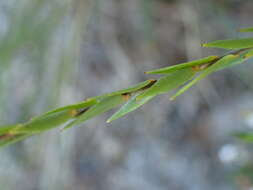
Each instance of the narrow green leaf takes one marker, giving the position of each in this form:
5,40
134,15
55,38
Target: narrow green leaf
81,105
131,89
246,30
9,135
47,122
238,59
6,128
4,141
61,115
231,44
104,105
130,106
167,70
223,62
169,82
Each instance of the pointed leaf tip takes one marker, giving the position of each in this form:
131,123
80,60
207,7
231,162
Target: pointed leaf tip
226,61
231,43
104,105
189,64
168,82
129,106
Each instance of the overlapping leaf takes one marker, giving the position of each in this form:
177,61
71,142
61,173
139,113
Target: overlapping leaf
137,95
9,135
130,106
169,82
7,140
81,105
131,89
94,100
47,122
170,69
223,62
6,128
104,105
238,59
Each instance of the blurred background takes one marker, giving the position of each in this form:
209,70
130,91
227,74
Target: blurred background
57,52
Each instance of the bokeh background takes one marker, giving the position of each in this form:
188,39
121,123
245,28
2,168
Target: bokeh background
57,52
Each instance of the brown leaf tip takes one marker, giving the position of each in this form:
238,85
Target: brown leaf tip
126,96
